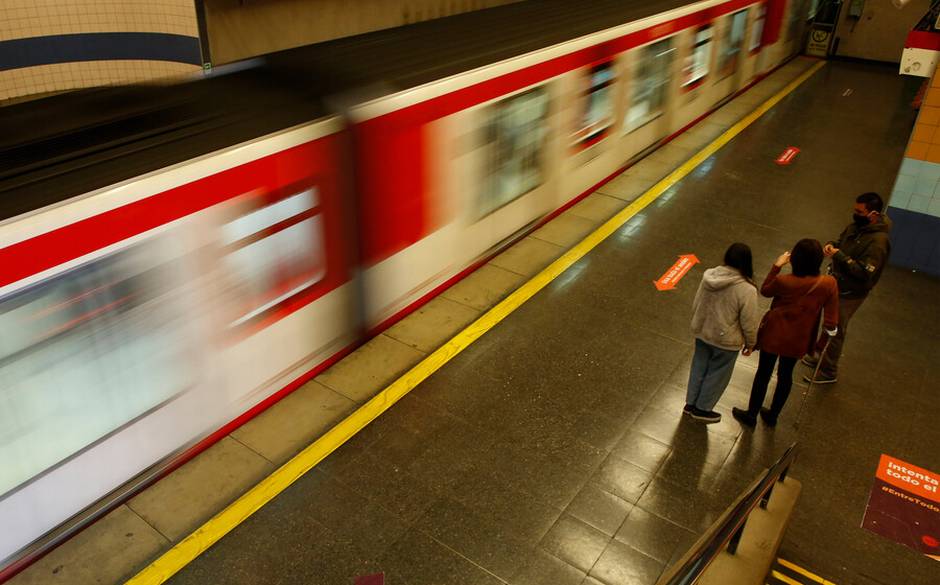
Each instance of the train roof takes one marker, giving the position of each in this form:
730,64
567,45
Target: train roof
66,145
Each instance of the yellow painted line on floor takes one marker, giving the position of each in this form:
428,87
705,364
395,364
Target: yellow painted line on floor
798,569
218,526
783,578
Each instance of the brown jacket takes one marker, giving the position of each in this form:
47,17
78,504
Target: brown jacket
791,331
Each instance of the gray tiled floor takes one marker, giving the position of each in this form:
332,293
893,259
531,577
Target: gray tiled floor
552,451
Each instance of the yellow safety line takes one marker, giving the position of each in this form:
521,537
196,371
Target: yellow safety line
218,526
804,572
781,577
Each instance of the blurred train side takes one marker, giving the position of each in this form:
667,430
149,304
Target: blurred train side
146,317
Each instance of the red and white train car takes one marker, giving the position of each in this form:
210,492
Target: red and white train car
452,169
143,320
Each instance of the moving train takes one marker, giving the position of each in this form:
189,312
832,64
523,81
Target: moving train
174,259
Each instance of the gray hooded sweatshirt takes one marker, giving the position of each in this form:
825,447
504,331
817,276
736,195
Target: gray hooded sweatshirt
725,312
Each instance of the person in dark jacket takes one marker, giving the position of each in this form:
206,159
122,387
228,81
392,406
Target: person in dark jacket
858,258
788,329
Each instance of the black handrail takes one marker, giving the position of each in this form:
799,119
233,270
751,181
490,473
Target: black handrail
727,530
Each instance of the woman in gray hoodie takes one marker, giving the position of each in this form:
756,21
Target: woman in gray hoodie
725,319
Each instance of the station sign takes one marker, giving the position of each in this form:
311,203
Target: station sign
819,41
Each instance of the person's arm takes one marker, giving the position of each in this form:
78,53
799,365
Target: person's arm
749,317
865,266
698,296
771,286
832,245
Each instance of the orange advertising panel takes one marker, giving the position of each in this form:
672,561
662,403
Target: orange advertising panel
904,506
916,480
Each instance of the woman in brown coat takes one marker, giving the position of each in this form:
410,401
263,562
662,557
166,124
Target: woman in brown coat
788,330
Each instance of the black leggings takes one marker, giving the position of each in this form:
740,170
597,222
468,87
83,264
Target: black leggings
765,368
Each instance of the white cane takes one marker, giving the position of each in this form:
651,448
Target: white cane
822,355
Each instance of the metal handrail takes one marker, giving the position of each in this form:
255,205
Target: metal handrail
727,530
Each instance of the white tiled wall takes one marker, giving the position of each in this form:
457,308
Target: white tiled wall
917,187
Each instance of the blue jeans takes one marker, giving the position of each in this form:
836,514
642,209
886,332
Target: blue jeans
711,371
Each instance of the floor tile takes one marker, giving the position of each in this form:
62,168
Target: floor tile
575,542
628,187
599,508
488,285
481,540
622,565
434,324
294,422
597,207
369,369
109,551
622,478
566,230
542,568
691,510
651,535
421,560
229,466
528,256
643,451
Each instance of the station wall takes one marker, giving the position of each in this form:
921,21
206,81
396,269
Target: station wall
879,32
914,205
47,46
240,29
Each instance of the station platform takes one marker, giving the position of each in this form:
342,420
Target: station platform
552,450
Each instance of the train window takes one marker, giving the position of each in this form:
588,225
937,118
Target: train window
757,33
84,354
732,42
597,111
651,85
515,133
274,253
696,66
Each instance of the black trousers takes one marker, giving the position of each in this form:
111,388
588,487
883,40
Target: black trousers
765,369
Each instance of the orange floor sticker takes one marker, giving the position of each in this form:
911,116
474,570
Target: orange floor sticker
671,278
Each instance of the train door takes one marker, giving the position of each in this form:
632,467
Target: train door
728,69
647,115
591,118
697,68
755,39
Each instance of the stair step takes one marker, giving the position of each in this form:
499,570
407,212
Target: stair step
785,572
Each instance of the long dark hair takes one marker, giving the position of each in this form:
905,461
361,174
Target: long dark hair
738,256
806,257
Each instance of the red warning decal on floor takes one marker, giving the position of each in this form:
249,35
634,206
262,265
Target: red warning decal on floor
378,579
671,278
787,156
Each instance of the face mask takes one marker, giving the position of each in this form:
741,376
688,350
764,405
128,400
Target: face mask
860,220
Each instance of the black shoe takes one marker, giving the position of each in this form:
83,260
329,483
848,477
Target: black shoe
744,417
706,416
769,418
820,379
687,409
809,360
